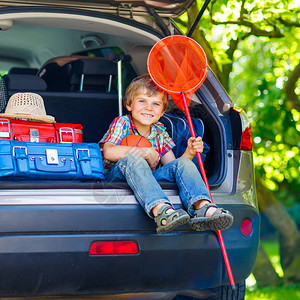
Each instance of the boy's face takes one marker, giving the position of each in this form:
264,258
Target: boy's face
146,110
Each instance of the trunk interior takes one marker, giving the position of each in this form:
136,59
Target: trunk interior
51,72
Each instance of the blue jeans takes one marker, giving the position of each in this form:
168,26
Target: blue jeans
136,172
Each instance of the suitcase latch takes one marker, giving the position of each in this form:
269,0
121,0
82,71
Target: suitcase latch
34,135
52,156
5,122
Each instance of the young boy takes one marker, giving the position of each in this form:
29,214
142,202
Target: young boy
146,103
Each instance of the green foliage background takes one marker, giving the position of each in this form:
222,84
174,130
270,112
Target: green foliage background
268,42
258,79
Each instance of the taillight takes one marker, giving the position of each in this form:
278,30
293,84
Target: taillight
246,227
246,139
114,248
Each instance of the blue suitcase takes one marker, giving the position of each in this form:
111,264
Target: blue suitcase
74,161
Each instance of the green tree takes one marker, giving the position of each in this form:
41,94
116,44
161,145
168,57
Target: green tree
252,47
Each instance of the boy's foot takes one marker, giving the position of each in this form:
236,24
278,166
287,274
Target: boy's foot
168,219
221,219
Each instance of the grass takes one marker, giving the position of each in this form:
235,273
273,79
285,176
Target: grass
280,293
275,293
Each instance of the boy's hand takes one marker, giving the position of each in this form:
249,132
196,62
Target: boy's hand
194,145
148,153
115,152
151,156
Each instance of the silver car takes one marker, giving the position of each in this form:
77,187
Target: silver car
78,238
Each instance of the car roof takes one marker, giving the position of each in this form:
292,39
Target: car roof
165,8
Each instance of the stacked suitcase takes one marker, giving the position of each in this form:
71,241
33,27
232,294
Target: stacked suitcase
41,150
73,161
27,131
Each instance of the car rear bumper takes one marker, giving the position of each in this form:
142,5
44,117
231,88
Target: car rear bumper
58,263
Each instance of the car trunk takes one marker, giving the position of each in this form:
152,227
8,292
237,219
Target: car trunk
95,110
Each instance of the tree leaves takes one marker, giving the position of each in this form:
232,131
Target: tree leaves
255,44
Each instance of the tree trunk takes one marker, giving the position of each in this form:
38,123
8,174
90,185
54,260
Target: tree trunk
199,36
263,270
227,68
289,236
292,274
292,97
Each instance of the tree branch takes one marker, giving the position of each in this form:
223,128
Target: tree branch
243,10
254,30
288,23
292,97
199,36
227,68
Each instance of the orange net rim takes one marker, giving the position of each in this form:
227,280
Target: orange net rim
204,65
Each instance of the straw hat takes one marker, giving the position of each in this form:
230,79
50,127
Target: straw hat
28,106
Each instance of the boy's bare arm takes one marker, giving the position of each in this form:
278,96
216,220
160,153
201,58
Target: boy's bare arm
168,157
115,152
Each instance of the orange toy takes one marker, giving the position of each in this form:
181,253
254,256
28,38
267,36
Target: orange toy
135,141
178,64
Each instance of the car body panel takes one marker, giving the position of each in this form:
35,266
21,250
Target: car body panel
60,256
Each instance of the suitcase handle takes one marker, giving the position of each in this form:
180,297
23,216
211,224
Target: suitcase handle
54,169
63,130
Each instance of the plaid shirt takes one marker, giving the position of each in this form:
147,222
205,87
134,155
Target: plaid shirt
123,126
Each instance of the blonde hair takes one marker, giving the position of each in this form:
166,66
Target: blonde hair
144,85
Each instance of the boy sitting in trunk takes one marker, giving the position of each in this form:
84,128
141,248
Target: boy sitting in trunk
146,103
